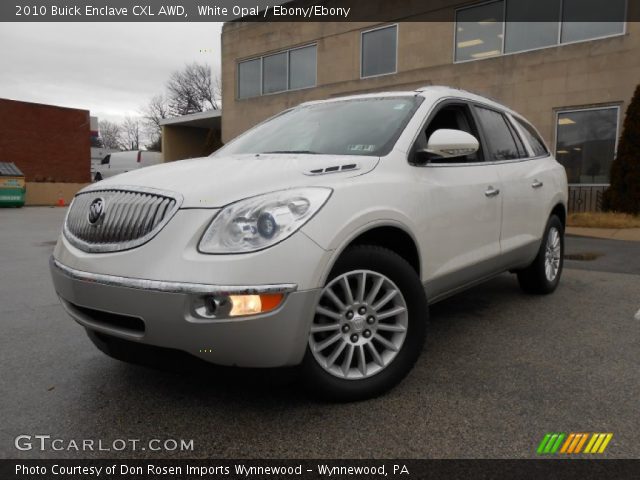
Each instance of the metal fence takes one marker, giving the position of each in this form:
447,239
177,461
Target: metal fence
586,198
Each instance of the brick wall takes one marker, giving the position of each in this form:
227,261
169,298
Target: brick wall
48,143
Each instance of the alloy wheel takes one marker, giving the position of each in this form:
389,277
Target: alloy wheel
553,251
359,326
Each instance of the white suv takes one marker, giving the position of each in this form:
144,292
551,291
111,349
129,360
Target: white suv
317,238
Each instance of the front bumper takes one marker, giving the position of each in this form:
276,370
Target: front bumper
162,314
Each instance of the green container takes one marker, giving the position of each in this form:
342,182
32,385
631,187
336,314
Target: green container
12,197
12,186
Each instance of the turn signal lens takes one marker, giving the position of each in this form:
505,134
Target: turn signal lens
254,304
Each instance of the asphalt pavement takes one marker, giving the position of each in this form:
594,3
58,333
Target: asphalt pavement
617,256
499,370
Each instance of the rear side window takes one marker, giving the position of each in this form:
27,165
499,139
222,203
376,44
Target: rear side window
105,160
533,138
503,143
522,151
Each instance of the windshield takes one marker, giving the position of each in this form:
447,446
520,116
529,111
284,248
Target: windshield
364,126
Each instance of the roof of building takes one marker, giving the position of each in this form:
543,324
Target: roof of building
43,105
9,169
208,119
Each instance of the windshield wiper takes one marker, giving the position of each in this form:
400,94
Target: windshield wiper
309,152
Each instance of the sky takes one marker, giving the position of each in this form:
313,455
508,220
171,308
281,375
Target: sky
110,69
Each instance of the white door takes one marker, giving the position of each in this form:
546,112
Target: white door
528,190
460,229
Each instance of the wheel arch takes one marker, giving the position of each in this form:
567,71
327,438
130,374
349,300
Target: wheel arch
561,212
388,234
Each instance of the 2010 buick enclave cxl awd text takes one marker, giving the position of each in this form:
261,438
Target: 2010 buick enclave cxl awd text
317,238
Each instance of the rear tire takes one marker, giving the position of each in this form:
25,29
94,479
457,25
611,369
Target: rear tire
363,344
543,275
98,177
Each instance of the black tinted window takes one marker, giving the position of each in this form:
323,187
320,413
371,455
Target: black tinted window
502,145
532,137
522,151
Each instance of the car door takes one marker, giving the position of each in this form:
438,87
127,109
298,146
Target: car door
524,174
460,229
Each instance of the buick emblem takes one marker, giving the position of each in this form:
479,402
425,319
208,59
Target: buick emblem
96,210
358,323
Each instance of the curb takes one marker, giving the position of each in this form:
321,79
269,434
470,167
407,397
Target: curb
625,234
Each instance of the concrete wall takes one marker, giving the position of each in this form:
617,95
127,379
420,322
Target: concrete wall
534,83
48,143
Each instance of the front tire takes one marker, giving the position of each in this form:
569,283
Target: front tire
543,275
98,177
369,326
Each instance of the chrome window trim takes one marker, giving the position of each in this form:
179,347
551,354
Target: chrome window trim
120,246
472,164
170,287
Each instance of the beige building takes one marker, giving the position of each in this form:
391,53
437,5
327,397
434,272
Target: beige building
572,80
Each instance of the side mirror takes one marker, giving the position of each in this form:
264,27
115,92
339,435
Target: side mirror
446,143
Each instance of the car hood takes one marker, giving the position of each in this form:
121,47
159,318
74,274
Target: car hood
212,182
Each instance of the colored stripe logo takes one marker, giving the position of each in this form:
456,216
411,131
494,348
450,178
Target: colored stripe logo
572,443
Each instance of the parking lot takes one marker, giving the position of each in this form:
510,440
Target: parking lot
499,370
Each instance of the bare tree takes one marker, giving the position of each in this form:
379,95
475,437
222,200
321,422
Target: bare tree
153,113
193,89
111,134
131,133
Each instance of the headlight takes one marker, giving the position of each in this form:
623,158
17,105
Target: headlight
259,222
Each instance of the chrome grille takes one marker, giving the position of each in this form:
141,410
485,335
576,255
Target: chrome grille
129,218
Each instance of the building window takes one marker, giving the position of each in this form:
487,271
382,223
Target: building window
274,73
249,78
598,18
504,26
586,143
522,35
479,31
289,70
379,51
302,67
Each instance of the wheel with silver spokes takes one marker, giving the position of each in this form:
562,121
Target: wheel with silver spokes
543,275
359,326
368,325
552,254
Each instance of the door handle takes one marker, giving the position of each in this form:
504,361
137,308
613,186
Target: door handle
537,184
492,192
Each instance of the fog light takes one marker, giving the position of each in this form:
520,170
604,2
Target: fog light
254,304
